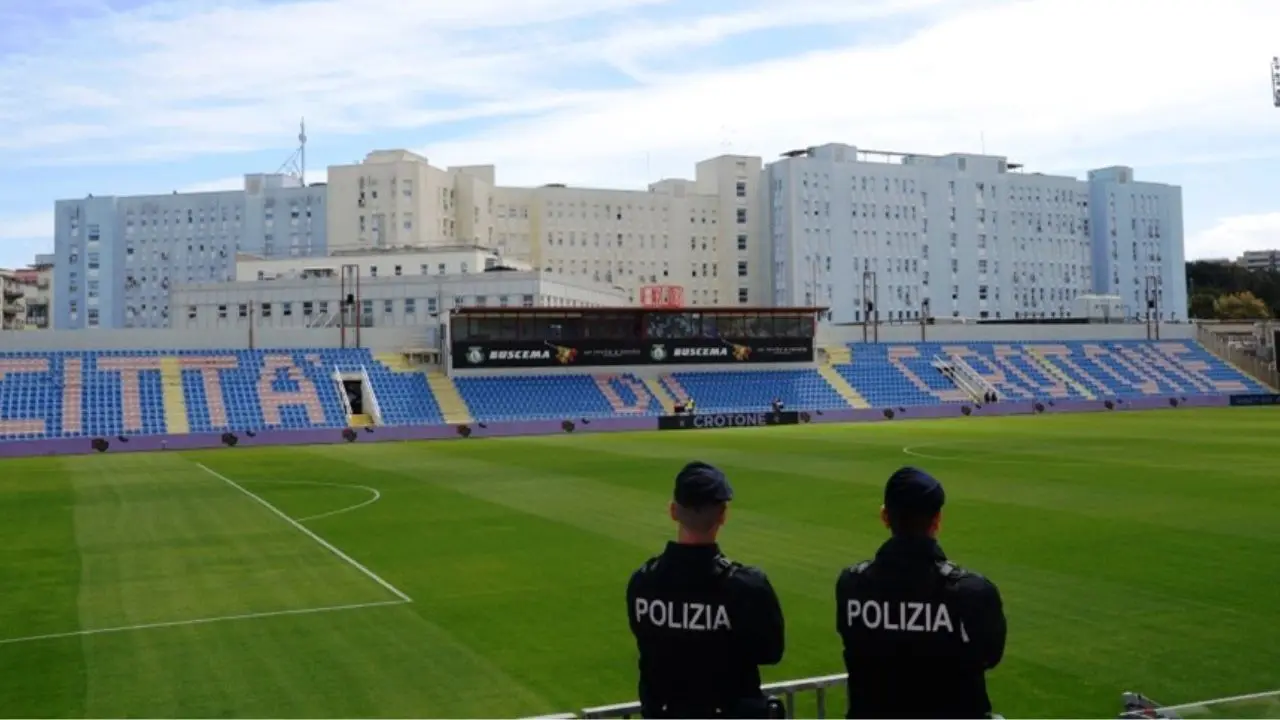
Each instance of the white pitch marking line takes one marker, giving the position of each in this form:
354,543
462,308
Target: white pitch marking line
303,529
200,621
372,491
1221,701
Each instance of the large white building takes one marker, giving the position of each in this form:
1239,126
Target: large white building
406,262
315,301
911,236
695,236
116,257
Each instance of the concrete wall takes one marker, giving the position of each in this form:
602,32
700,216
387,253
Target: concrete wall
378,339
395,338
836,335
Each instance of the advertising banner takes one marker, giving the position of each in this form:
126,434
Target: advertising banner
589,353
726,351
1241,400
727,420
533,354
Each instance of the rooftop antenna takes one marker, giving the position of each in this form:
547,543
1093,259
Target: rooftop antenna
1275,81
296,164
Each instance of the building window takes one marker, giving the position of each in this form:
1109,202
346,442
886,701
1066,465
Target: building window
410,306
243,310
397,271
742,242
482,300
504,301
741,190
222,312
287,309
93,317
307,308
742,296
742,216
324,307
192,312
388,307
526,301
431,306
742,268
266,310
373,271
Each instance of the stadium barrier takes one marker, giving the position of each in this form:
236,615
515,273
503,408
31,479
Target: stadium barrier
787,690
478,430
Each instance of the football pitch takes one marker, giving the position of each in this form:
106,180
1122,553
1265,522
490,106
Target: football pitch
1134,551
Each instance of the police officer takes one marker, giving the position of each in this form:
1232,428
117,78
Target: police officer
703,623
919,632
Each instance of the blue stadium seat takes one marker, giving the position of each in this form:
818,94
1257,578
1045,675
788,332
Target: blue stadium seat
554,397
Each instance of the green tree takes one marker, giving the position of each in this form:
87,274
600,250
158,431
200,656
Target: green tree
1202,306
1241,306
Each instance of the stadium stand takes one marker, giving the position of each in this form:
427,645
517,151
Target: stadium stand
109,393
756,389
551,397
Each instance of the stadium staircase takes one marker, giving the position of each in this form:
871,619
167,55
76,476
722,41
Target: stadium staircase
175,401
451,403
612,387
660,393
838,356
1056,372
674,388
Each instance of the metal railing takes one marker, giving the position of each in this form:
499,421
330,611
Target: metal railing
1260,369
960,379
787,690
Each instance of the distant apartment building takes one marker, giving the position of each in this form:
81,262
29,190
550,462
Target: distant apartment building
115,258
13,312
28,295
688,240
1261,259
902,237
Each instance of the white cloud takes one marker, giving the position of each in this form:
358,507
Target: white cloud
1231,236
1053,83
1045,81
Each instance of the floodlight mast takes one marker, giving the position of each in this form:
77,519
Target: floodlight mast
1275,81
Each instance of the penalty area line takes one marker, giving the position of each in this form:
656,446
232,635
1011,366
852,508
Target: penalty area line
304,530
200,621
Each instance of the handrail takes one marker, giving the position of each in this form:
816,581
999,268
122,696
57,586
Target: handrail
374,407
787,689
342,390
959,379
972,375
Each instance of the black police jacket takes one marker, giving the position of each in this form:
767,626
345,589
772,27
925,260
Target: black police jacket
703,625
919,634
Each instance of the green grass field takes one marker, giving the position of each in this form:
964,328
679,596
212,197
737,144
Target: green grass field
1135,551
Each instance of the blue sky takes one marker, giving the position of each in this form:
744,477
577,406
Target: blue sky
136,96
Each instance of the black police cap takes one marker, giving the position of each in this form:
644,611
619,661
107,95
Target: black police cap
912,490
700,484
